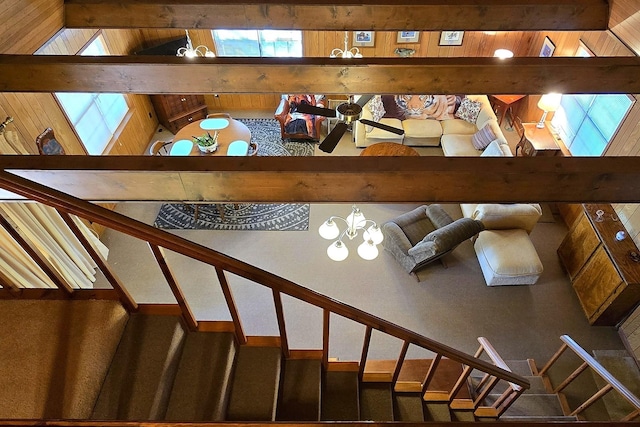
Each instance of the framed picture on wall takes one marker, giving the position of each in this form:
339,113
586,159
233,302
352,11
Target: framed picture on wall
451,38
547,47
363,38
408,36
583,50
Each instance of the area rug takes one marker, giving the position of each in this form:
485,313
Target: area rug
246,216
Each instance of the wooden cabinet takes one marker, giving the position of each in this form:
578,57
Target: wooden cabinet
176,111
603,273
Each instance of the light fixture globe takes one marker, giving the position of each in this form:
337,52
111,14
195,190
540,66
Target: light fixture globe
337,251
368,250
374,234
329,230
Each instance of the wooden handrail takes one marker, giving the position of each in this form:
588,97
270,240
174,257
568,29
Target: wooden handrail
589,361
66,203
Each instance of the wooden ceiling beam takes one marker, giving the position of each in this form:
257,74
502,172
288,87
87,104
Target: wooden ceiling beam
168,74
334,179
378,15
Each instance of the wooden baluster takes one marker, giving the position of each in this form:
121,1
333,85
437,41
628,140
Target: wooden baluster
485,390
571,377
398,368
551,361
604,390
284,344
35,254
365,351
461,382
187,314
510,397
325,337
430,373
631,416
231,305
125,297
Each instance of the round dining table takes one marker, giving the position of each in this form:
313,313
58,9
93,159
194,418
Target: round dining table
235,130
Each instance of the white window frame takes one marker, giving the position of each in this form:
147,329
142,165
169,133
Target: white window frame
259,43
95,117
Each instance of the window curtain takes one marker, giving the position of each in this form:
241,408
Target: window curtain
45,229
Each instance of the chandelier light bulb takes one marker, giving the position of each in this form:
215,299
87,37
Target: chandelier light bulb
368,250
338,251
374,234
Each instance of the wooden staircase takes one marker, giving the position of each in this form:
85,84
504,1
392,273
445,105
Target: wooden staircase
161,371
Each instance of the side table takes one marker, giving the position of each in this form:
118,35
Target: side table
503,104
537,142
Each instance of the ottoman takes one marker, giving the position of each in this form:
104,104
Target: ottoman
507,257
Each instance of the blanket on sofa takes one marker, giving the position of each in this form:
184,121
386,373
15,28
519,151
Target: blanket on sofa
437,107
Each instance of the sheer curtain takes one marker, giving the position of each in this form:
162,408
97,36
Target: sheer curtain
44,228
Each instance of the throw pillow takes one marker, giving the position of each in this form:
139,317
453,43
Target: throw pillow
468,110
482,138
495,149
392,110
377,110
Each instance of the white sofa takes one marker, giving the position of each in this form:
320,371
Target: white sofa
427,132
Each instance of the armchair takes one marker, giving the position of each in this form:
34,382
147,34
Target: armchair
426,234
294,125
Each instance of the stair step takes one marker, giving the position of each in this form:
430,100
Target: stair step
255,384
537,385
520,367
139,381
300,396
202,382
437,411
408,407
624,368
537,405
340,396
376,402
558,418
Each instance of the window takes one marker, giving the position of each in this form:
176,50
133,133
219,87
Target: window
265,43
586,123
95,116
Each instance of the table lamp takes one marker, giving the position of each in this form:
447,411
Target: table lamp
548,102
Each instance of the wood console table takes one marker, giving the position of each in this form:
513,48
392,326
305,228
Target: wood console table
538,142
602,270
504,104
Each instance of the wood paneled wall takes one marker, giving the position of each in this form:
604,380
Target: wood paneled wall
28,24
33,112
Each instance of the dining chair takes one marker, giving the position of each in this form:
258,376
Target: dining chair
517,125
159,148
214,115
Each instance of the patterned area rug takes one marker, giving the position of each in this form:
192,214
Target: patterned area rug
246,216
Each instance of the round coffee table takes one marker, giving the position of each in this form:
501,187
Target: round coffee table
236,130
388,149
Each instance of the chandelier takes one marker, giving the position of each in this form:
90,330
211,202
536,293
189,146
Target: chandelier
354,52
190,52
355,222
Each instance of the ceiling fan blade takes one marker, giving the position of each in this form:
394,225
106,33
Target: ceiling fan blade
330,142
364,99
383,127
318,111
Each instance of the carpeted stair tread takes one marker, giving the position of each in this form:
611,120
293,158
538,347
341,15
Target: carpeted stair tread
520,367
536,383
255,383
550,418
437,411
340,396
300,390
408,407
532,405
202,383
376,402
139,381
623,367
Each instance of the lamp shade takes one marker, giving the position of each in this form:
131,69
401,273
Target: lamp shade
374,234
338,251
549,101
329,229
368,250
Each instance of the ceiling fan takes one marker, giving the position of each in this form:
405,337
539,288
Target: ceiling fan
347,113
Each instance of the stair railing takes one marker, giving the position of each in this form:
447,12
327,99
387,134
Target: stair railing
611,383
159,239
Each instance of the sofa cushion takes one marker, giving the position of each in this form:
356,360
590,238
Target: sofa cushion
483,138
438,216
468,110
458,145
377,133
421,128
502,216
458,126
496,149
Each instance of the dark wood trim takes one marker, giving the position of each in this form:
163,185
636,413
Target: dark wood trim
215,326
83,423
155,74
365,351
240,336
318,179
377,15
277,301
53,294
159,309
